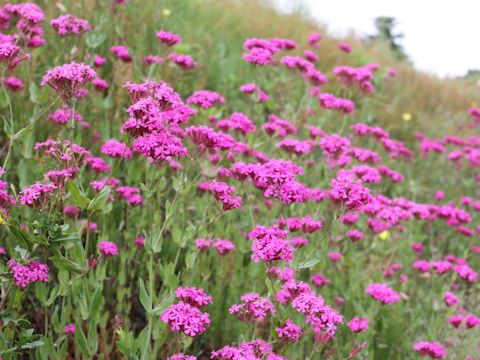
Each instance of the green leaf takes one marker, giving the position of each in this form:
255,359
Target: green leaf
20,235
32,344
190,259
164,305
41,292
95,39
66,237
144,297
308,263
81,341
96,304
4,99
7,127
100,200
62,263
79,198
34,92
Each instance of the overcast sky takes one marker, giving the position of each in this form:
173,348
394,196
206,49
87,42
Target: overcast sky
441,36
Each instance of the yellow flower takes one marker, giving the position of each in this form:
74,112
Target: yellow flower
407,117
384,235
1,218
167,12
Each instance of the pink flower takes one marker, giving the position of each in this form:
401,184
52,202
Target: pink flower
248,88
310,56
181,356
130,194
97,164
186,319
159,146
152,59
358,325
65,115
362,76
108,248
320,280
69,329
67,79
433,350
193,296
184,61
238,122
121,52
100,85
321,317
382,293
314,38
345,47
116,149
355,235
329,101
224,246
335,256
203,244
279,127
296,147
289,331
36,195
140,241
456,320
13,83
168,38
205,99
466,273
253,350
252,309
223,193
99,61
350,192
69,25
26,274
271,244
417,247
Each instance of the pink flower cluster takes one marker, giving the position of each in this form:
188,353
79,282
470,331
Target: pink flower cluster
252,309
26,274
205,99
36,195
348,191
358,325
121,52
108,248
432,349
193,296
331,102
186,317
271,244
362,76
237,122
67,79
223,193
68,24
255,349
168,38
321,317
382,293
184,61
289,331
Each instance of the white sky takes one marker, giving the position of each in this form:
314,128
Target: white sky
440,36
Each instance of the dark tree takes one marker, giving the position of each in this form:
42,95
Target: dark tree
386,34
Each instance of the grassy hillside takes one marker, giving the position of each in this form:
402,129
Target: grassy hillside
103,225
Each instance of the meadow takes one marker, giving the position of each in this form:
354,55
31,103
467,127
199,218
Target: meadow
212,179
